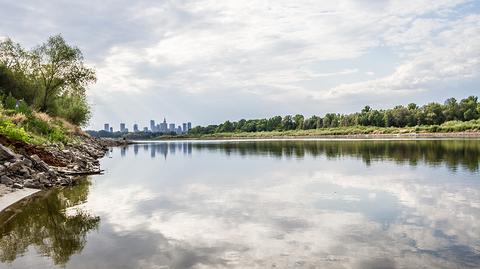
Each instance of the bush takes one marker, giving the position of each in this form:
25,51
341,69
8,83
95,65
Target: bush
12,131
24,108
10,102
44,128
73,108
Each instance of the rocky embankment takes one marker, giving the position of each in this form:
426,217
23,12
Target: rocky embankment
23,165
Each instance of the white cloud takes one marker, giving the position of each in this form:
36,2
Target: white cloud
443,57
239,45
277,52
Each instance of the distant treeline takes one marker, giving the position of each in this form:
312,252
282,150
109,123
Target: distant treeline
400,116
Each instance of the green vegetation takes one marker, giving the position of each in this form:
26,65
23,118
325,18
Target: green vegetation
12,131
29,126
50,78
42,91
452,116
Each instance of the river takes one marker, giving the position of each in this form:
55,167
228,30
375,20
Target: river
259,204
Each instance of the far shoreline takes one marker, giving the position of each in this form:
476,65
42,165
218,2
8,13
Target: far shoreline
393,136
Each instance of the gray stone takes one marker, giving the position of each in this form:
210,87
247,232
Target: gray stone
25,172
6,180
6,153
31,183
16,166
17,186
40,177
40,163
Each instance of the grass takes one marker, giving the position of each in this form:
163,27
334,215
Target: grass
447,127
35,128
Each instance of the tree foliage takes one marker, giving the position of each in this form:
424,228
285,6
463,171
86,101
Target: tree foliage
51,78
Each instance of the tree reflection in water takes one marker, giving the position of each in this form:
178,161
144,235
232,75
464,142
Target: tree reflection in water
44,222
452,153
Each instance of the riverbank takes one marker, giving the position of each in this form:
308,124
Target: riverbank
27,168
280,135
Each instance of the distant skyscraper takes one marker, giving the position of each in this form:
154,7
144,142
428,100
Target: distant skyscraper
122,127
171,127
184,127
189,126
111,129
152,126
164,126
145,129
106,127
135,128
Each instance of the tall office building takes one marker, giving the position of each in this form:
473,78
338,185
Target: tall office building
135,128
164,126
122,127
111,129
152,126
189,126
171,127
184,127
106,127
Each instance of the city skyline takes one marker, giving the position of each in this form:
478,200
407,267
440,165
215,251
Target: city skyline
162,127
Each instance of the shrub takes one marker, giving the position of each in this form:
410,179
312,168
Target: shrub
12,131
24,108
73,108
10,102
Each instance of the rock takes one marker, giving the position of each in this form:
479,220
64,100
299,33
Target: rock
16,166
41,177
39,163
25,172
32,185
6,180
27,162
52,173
6,153
17,186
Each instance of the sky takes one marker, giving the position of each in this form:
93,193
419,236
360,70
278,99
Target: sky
207,61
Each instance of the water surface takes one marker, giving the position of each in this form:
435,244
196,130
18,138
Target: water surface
254,204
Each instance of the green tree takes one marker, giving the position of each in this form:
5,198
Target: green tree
14,68
468,108
451,109
274,123
433,113
375,118
298,119
287,123
59,68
